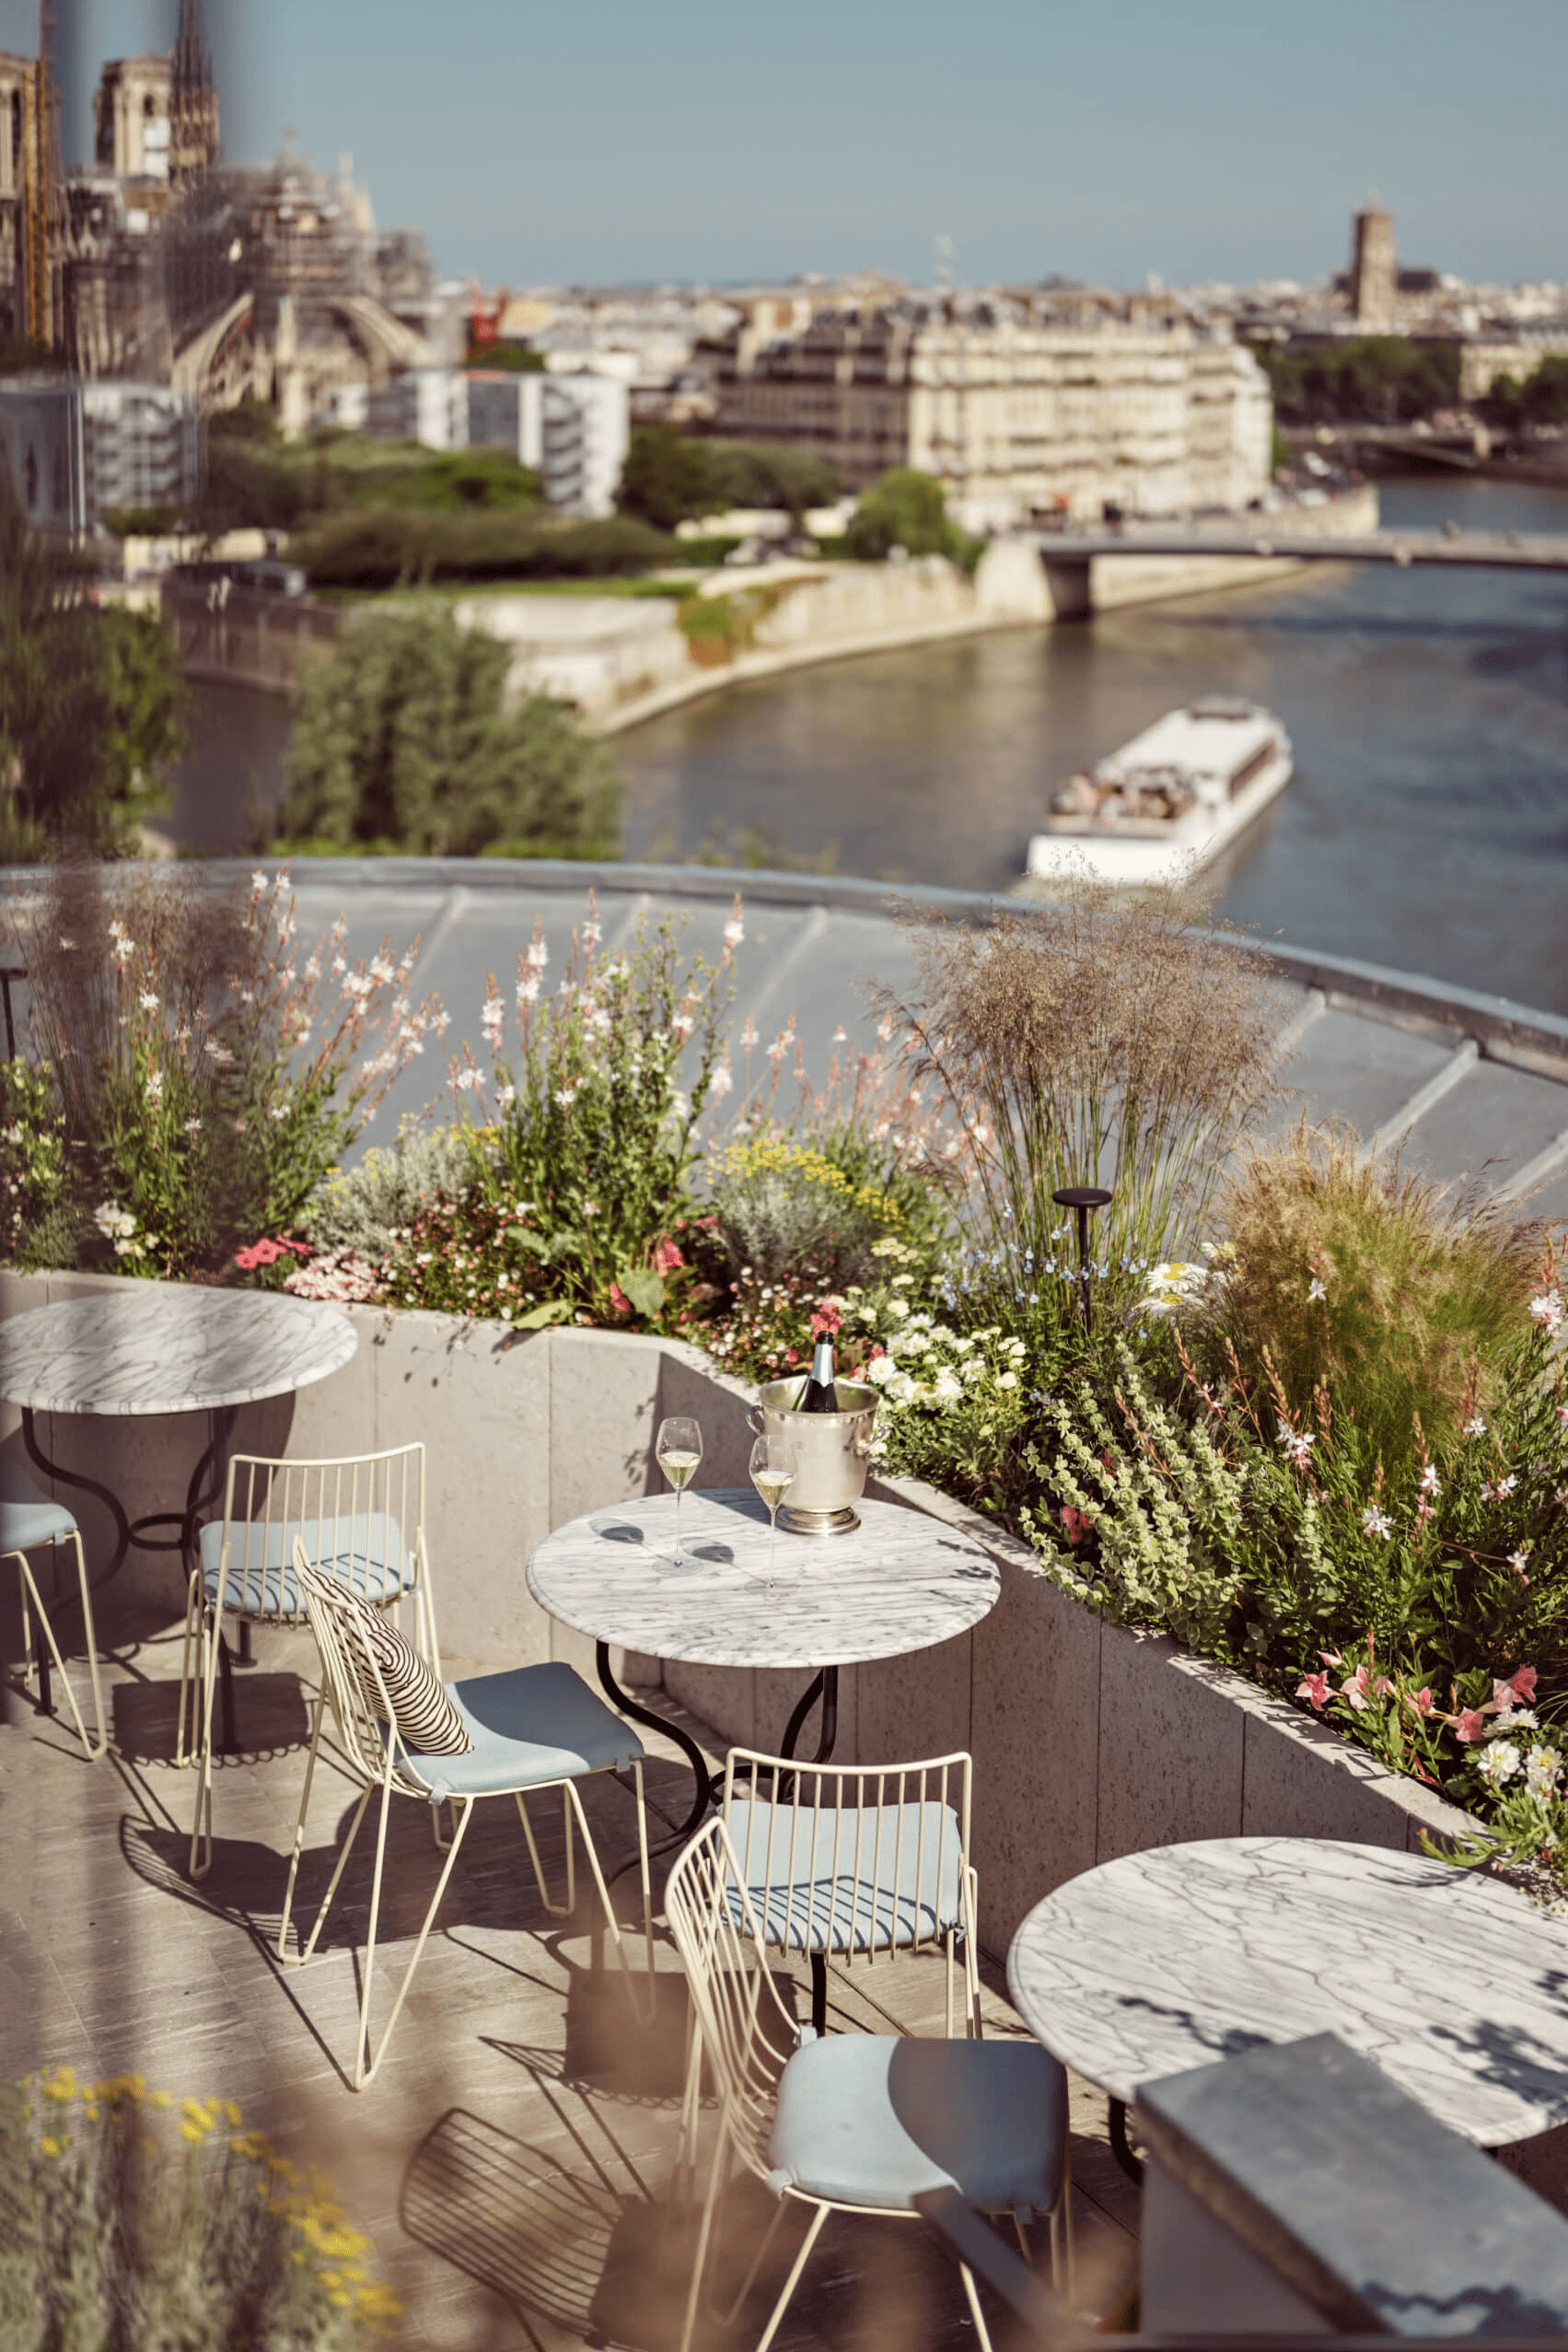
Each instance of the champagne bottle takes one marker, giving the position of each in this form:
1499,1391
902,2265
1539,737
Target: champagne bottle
821,1394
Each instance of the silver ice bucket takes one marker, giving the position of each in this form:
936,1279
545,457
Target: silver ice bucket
832,1452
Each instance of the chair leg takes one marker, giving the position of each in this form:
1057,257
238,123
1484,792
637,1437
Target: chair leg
299,1833
363,2073
192,1649
706,2232
981,2331
46,1642
591,1850
201,1829
556,1910
690,2107
90,1637
793,2281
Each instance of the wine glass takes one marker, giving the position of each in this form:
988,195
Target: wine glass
679,1451
772,1475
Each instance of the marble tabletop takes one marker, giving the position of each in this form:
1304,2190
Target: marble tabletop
170,1347
900,1582
1455,1983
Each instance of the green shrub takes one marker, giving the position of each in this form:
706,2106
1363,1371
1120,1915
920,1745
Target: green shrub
906,508
367,1207
383,547
777,1205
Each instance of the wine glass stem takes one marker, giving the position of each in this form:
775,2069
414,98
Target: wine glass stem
773,1536
679,1496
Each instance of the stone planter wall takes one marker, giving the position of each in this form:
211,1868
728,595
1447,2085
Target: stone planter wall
1089,1741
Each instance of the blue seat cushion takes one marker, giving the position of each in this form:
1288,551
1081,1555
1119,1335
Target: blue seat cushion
26,1515
847,1879
366,1552
879,2119
529,1724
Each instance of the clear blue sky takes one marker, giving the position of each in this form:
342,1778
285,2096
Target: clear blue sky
724,139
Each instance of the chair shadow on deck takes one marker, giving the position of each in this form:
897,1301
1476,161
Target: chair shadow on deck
585,2248
271,1719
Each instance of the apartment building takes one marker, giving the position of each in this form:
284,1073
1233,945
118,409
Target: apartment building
574,429
1013,419
75,451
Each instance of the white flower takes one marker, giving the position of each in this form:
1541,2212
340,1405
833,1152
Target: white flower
1298,1444
147,1001
592,933
1523,1718
538,954
1429,1484
470,1081
1543,1768
1499,1761
155,1086
1006,1379
258,880
1316,1292
566,1095
1476,1429
841,1035
192,1126
528,991
1520,1560
734,932
1377,1522
68,944
124,948
590,1208
901,1387
1505,1487
1547,1309
720,1083
218,1054
505,1097
111,1221
881,1370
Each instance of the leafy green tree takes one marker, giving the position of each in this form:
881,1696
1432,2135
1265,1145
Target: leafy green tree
408,738
515,358
1376,379
909,509
773,474
92,704
668,478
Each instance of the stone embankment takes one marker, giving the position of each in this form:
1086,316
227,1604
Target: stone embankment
621,659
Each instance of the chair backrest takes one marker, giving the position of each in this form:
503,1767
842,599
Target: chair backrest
870,1856
361,1518
360,1701
747,2034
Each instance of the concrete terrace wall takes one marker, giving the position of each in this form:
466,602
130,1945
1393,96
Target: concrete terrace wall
1089,1741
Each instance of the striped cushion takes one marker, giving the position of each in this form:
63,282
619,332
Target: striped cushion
424,1716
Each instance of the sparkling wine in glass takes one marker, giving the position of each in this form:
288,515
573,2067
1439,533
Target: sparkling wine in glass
679,1451
772,1475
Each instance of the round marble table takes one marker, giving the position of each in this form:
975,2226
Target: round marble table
900,1582
165,1347
1455,1983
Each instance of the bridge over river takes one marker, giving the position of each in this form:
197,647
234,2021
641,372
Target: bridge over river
1087,570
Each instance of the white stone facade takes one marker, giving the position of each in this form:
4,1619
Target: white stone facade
1015,420
75,450
574,429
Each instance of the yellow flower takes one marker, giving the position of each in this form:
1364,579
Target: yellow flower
231,2113
161,2099
49,2146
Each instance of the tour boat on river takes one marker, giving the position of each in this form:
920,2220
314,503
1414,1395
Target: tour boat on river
1169,800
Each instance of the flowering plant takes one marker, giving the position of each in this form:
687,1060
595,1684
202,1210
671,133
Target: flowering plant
37,1212
778,1203
211,1067
133,2216
582,1140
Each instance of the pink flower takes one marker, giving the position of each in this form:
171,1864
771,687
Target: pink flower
1316,1688
1525,1685
1353,1688
619,1300
1419,1700
666,1257
1076,1526
1382,1687
1471,1724
825,1321
1330,1658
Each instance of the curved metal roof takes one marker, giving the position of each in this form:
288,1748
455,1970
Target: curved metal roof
1470,1086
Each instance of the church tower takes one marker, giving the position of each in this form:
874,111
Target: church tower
193,102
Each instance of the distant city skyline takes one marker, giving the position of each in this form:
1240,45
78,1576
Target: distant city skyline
1200,139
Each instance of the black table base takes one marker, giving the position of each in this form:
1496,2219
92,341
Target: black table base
708,1785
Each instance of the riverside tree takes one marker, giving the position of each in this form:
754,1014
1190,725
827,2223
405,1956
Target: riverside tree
92,704
407,739
906,508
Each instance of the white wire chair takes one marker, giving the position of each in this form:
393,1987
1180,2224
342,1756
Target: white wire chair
362,1517
852,2123
28,1518
533,1728
860,1861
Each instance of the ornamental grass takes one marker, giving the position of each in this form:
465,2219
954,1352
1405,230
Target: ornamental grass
1095,1041
1401,1298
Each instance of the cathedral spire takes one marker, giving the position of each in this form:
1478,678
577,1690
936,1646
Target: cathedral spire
192,101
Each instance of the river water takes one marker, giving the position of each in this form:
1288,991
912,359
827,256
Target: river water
1426,827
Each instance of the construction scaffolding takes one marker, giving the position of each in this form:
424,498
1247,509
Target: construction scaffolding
44,195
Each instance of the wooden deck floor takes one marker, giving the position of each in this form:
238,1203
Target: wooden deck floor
511,2160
